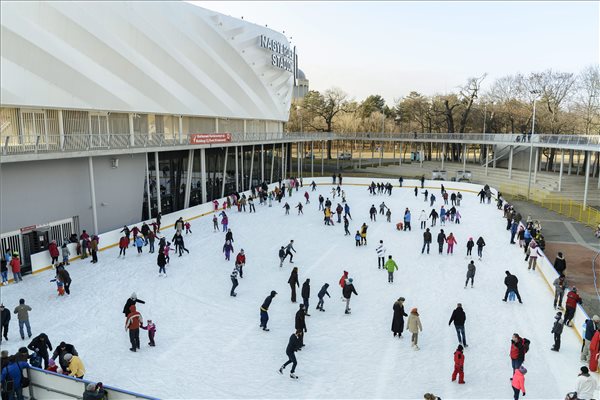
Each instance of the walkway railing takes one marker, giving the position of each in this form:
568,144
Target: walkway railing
15,145
571,208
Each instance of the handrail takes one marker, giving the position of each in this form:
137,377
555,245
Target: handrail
15,145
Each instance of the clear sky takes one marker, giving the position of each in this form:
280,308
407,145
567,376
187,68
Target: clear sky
391,48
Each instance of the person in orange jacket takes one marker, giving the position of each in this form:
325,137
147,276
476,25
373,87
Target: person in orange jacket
459,363
133,323
518,381
15,264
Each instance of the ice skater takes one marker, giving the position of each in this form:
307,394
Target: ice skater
380,250
294,344
264,310
321,296
288,251
470,273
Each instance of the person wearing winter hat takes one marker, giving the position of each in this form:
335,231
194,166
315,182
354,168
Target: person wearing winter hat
518,382
347,291
94,391
52,367
586,384
557,329
75,367
459,363
300,323
573,299
264,310
132,300
398,318
414,326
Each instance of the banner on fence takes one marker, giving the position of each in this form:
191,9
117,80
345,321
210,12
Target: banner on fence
209,138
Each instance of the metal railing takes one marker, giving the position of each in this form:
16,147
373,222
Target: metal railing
15,145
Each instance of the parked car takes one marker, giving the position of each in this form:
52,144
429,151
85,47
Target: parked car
345,156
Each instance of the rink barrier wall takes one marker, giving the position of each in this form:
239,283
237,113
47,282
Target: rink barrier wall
47,385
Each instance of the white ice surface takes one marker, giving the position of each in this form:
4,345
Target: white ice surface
209,345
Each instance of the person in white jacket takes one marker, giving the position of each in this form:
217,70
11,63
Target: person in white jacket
380,255
423,219
586,385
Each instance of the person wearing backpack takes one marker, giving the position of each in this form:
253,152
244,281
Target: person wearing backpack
12,378
518,347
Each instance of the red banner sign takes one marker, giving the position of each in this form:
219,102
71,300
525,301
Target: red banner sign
28,229
209,138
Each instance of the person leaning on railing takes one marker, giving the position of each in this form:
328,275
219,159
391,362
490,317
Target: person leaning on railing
95,391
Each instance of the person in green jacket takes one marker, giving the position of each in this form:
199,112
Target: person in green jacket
390,265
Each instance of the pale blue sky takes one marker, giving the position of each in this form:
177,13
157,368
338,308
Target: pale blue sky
391,48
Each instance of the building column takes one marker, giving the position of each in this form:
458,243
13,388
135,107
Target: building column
188,179
237,172
381,153
337,157
571,156
224,172
312,158
251,169
510,162
322,160
400,156
61,129
536,164
560,172
465,157
444,154
131,133
362,143
148,203
157,172
298,159
262,161
180,121
203,175
93,194
587,179
272,162
487,157
243,172
494,157
283,161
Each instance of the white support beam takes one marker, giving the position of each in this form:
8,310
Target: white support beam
251,169
536,164
149,204
312,159
224,172
272,162
188,179
61,129
180,122
560,173
157,172
131,131
510,161
262,161
587,179
203,176
93,194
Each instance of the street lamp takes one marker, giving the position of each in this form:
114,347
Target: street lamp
535,93
298,108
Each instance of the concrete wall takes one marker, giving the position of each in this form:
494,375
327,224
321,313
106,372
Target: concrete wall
37,192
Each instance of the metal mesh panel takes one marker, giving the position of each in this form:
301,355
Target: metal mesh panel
9,122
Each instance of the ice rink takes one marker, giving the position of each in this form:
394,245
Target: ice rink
209,345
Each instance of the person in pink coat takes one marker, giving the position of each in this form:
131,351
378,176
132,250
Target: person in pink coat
451,240
518,381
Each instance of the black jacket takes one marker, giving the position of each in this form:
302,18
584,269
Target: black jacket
40,344
294,344
348,290
64,276
161,260
480,242
63,349
458,316
306,289
511,281
294,278
281,253
560,264
229,236
267,303
5,317
427,237
323,291
129,303
433,214
301,320
441,237
3,265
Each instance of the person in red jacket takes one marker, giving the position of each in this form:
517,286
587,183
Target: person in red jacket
53,250
517,351
15,265
123,244
594,351
343,280
571,305
459,363
240,261
133,323
518,381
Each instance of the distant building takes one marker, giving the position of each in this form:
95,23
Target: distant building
301,86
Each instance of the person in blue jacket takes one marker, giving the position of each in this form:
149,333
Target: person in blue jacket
14,371
407,219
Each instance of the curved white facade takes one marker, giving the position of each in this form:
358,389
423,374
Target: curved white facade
151,57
